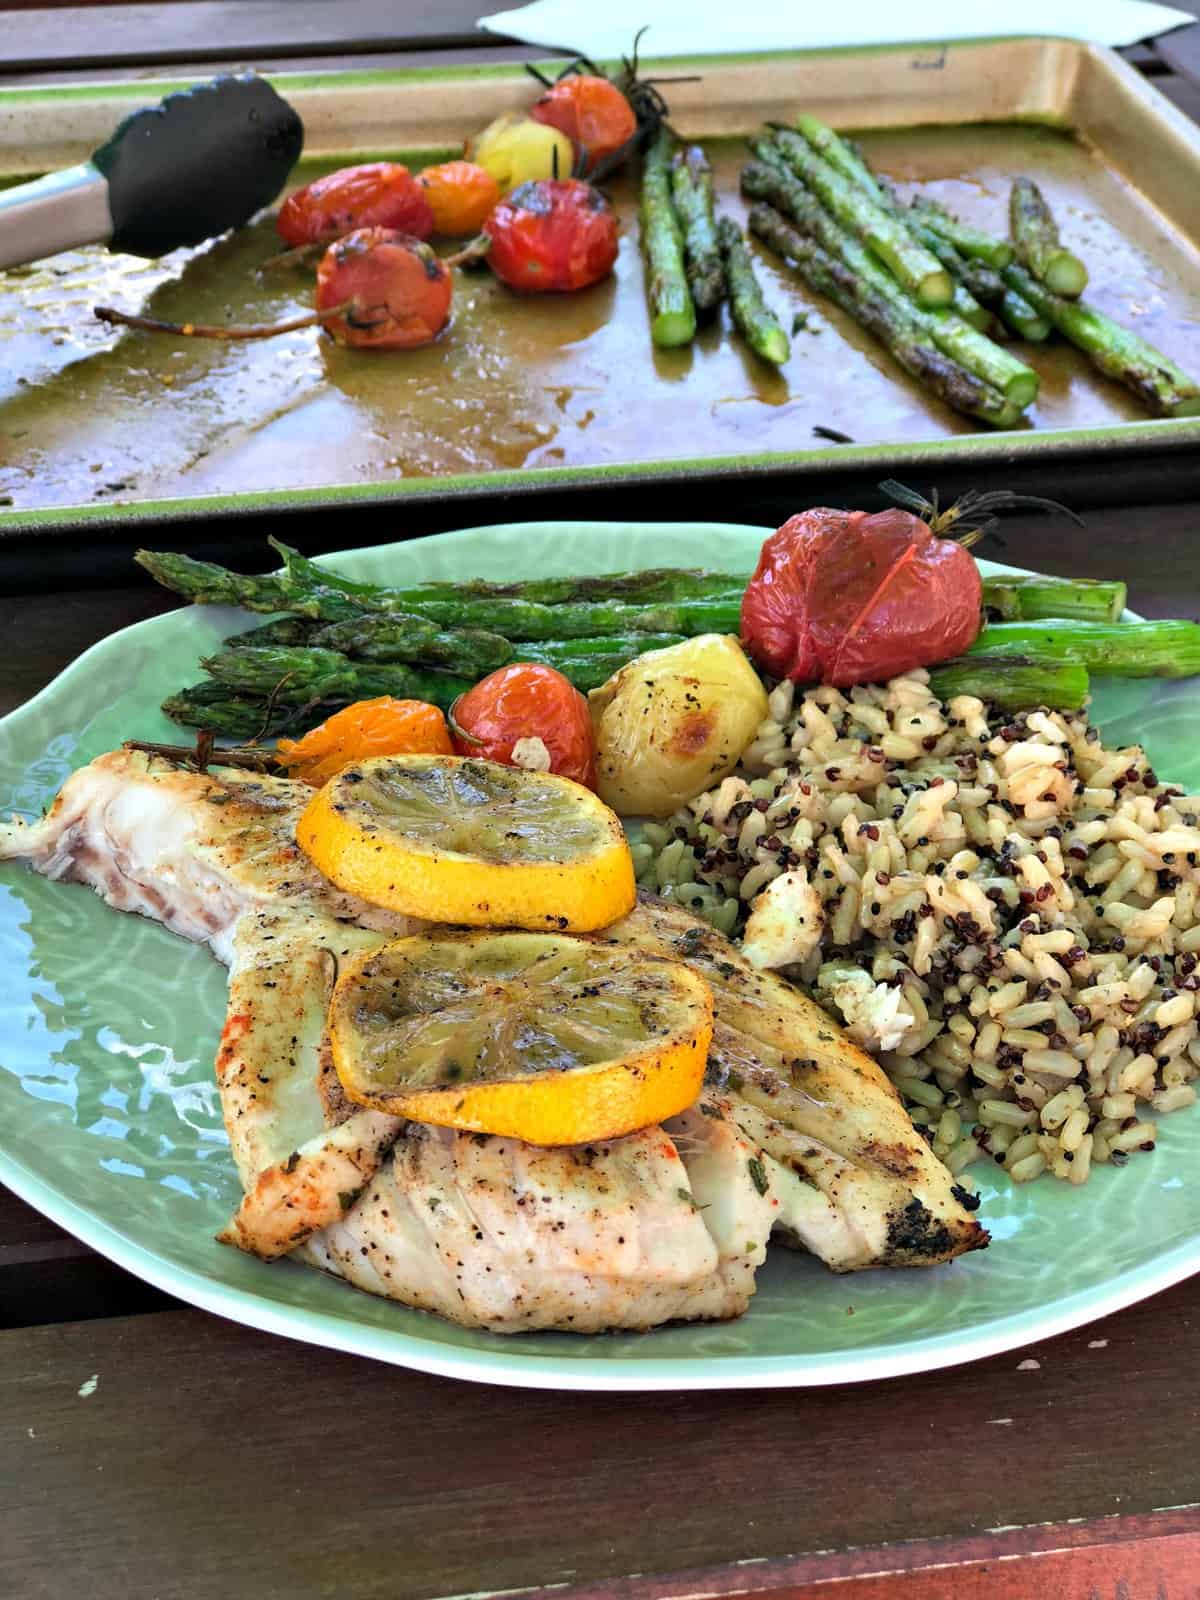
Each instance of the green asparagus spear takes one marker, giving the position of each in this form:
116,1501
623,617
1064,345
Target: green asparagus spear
920,273
1038,247
284,630
386,638
651,586
1164,388
297,677
751,315
1022,599
521,620
911,348
982,281
1019,317
989,362
672,314
1012,683
842,156
1119,650
228,713
692,193
969,241
207,584
590,662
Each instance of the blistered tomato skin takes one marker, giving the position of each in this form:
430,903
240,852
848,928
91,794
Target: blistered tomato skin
527,701
845,597
555,235
396,291
592,112
377,194
461,196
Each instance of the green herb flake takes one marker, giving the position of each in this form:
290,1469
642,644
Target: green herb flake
758,1174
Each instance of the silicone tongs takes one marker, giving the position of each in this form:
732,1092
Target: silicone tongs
201,161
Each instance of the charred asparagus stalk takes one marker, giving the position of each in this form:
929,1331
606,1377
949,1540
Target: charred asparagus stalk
751,315
1162,386
692,193
909,345
231,715
1013,683
957,339
1038,247
672,313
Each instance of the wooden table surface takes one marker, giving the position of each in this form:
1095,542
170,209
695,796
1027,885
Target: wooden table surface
212,1461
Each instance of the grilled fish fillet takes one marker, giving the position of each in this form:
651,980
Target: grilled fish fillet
827,1111
492,1233
797,1133
303,1153
191,850
489,1232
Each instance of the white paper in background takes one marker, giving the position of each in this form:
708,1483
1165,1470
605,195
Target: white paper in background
717,27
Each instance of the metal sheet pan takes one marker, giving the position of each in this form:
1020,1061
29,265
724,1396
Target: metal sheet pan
103,437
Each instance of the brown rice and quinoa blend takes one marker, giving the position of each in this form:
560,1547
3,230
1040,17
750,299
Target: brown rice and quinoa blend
1001,909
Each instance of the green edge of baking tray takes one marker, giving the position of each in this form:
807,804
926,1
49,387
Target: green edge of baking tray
1152,459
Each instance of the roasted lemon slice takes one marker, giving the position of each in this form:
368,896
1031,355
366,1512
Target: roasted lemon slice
535,1036
455,839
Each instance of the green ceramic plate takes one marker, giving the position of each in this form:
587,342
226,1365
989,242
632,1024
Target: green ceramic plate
110,1121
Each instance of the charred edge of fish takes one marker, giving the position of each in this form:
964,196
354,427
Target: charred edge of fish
917,1232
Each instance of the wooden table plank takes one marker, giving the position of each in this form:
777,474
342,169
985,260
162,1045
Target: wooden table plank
140,34
212,1459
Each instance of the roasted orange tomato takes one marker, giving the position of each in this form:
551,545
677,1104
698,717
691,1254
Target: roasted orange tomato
592,112
555,234
527,715
382,727
461,196
378,194
395,291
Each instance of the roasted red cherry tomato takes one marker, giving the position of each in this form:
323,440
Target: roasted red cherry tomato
399,293
844,597
592,112
378,194
519,707
554,234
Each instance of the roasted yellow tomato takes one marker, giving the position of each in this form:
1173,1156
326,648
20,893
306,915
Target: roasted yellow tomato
516,149
674,722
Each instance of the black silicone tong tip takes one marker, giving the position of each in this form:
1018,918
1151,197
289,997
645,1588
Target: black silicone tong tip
203,160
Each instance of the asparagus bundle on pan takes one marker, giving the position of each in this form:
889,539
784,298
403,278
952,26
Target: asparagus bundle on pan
900,332
975,276
769,180
1036,287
